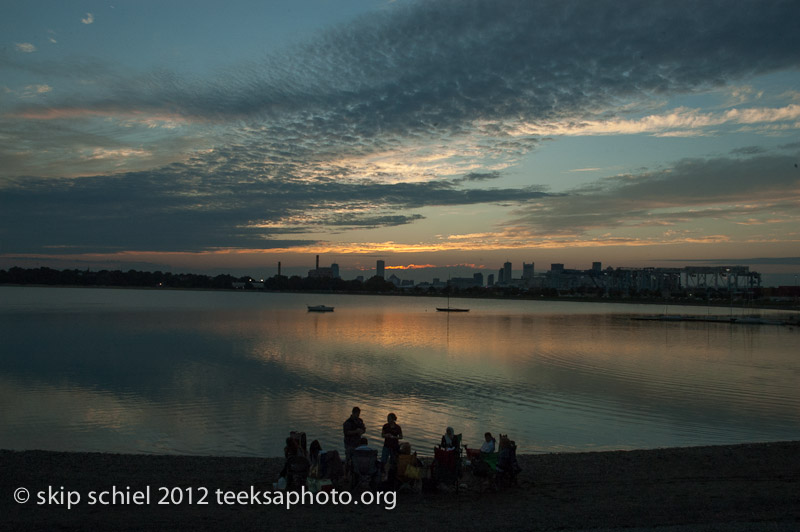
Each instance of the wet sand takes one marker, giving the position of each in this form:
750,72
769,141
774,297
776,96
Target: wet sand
737,487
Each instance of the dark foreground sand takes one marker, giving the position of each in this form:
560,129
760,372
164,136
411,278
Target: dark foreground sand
739,487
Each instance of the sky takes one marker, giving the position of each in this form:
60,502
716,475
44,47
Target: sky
443,137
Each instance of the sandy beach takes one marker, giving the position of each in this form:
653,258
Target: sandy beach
737,487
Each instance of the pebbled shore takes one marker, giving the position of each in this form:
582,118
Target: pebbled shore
735,487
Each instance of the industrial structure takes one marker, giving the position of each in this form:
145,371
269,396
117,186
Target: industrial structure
331,272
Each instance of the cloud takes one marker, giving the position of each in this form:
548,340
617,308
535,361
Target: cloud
478,176
748,150
428,90
765,188
24,47
193,207
411,267
88,19
35,90
679,122
434,67
399,110
744,93
783,261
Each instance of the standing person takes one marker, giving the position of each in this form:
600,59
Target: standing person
353,429
392,434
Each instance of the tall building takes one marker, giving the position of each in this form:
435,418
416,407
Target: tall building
507,272
527,271
478,278
335,270
490,280
500,278
597,267
381,267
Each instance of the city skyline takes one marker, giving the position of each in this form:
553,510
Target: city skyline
438,136
506,275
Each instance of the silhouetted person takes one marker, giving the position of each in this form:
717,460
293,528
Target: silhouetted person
392,434
353,429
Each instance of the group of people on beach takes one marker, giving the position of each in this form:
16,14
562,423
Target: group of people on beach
354,430
451,441
320,464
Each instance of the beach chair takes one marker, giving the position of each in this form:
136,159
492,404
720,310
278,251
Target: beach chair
472,454
325,466
364,469
335,469
409,472
446,467
507,466
297,469
484,468
491,459
484,464
476,456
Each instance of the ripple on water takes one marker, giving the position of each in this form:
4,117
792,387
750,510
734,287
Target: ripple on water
214,377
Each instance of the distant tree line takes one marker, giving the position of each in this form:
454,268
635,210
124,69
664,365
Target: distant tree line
158,279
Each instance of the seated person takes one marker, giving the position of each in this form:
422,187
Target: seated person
488,445
363,445
449,440
296,445
507,459
365,464
324,464
292,448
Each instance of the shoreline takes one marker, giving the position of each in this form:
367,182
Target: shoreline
742,486
740,306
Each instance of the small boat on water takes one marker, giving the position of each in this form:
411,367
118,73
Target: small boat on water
319,308
448,308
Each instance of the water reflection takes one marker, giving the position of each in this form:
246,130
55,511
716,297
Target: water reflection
228,373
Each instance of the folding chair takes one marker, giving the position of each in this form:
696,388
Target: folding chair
364,468
409,471
446,467
297,468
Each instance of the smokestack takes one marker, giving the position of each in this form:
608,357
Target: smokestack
279,268
318,262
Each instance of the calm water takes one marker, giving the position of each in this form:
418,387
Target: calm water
231,373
